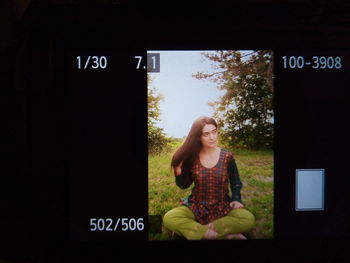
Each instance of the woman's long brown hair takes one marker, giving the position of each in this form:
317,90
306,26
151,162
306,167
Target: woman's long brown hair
190,149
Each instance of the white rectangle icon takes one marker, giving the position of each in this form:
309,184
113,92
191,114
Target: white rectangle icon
309,189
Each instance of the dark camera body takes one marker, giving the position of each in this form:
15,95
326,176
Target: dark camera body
73,95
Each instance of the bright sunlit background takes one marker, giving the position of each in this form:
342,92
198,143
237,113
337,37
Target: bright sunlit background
185,97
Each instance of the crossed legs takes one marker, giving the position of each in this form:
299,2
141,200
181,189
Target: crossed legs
181,220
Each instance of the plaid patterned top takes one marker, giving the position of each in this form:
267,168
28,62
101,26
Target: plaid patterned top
210,196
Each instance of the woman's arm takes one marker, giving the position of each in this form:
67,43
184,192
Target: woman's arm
182,179
235,181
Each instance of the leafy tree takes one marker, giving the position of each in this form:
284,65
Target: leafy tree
157,141
245,111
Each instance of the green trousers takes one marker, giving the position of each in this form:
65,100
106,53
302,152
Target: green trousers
181,220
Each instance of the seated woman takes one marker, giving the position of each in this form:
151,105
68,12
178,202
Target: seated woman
209,212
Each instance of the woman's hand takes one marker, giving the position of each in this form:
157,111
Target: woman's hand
236,204
178,169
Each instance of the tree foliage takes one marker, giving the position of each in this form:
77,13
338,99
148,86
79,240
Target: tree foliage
245,111
157,141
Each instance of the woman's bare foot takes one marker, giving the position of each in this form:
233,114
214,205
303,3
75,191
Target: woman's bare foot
210,234
235,236
210,226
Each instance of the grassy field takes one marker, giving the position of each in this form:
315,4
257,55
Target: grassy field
256,172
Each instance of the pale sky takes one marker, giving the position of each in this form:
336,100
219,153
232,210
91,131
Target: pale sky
185,97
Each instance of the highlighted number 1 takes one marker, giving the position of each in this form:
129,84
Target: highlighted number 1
153,62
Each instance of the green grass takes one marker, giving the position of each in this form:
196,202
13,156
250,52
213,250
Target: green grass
256,172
